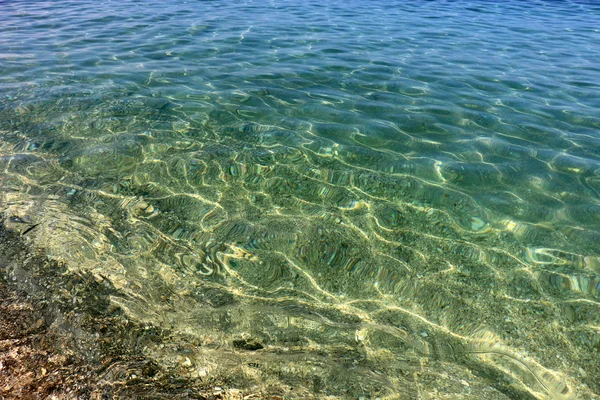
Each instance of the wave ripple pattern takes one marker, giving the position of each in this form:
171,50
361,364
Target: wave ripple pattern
333,199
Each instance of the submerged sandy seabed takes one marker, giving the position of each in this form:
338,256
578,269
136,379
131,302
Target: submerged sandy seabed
61,336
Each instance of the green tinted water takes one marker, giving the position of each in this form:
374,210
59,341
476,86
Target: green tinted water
346,200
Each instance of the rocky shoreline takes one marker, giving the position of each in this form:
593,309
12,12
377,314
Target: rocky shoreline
61,339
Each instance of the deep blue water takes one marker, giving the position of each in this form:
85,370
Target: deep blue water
390,197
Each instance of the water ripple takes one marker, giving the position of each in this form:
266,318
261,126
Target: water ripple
344,199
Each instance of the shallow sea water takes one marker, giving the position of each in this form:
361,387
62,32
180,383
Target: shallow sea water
346,199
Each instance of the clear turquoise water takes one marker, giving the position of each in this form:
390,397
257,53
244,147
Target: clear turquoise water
390,197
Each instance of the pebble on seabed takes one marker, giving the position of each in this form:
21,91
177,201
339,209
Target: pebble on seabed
477,224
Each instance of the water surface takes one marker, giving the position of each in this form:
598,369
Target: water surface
351,199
